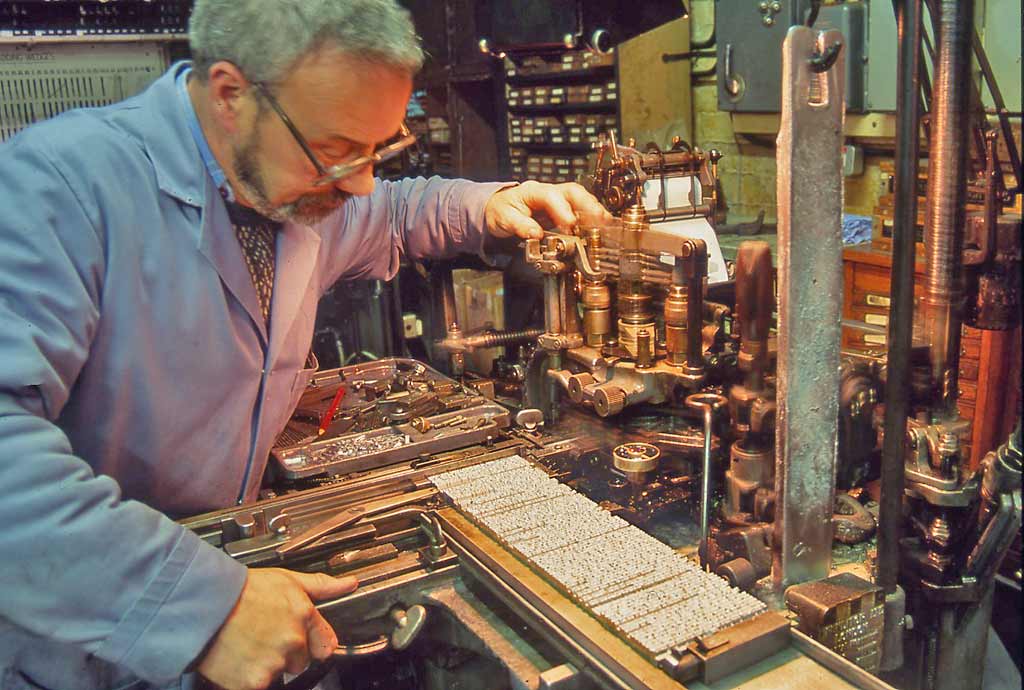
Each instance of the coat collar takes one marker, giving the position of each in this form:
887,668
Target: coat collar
181,173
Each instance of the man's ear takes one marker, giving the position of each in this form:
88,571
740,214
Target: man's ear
227,89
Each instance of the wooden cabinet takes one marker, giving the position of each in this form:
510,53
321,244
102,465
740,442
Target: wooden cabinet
989,390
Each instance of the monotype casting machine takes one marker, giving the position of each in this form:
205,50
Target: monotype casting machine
644,494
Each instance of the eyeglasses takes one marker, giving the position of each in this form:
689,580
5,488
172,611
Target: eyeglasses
330,175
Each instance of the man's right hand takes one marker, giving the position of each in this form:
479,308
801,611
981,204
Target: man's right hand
274,627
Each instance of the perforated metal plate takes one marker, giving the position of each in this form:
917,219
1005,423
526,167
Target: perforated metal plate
38,82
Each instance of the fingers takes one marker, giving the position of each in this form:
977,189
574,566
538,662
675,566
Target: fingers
527,209
321,586
321,640
552,199
588,209
521,225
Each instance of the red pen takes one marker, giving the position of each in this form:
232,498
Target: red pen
325,421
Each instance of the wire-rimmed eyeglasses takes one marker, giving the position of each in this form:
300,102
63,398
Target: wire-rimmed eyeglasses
332,174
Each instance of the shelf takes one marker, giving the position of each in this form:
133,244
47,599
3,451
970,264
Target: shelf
553,148
6,38
602,107
558,77
472,72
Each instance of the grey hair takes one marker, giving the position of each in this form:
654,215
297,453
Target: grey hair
265,38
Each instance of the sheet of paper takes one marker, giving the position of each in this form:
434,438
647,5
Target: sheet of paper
698,228
677,190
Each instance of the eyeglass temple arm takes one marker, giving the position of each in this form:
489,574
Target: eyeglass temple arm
301,140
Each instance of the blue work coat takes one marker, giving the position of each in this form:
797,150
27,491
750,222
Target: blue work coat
138,379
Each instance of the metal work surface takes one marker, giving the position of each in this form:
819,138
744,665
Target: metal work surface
637,584
810,194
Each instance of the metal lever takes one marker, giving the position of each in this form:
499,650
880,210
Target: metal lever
408,624
732,85
350,516
708,403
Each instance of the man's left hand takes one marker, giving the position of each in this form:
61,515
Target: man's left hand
528,209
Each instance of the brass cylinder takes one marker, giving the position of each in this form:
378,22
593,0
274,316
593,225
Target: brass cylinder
594,245
629,335
676,303
597,313
635,314
644,349
634,222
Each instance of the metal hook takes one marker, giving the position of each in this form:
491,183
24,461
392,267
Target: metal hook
821,62
812,16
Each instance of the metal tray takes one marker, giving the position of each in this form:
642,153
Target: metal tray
393,410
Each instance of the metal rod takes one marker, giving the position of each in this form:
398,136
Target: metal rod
908,108
552,304
947,189
705,490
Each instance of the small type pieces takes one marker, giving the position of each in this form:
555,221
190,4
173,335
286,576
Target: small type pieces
638,584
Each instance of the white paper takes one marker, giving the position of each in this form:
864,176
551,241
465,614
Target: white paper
698,228
677,189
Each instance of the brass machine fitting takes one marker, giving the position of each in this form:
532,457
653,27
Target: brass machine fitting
596,298
684,308
635,304
755,300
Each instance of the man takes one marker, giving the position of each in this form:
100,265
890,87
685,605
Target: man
160,265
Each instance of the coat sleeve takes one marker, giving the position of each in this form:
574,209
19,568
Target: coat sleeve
80,565
414,218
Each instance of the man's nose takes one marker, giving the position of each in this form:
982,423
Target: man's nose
359,183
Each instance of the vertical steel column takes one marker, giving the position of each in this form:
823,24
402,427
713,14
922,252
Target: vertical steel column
810,203
901,320
947,188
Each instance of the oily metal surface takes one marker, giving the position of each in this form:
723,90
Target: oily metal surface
810,198
638,585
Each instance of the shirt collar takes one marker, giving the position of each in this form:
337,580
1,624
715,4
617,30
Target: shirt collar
212,166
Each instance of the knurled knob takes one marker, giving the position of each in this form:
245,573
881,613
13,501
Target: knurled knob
577,382
609,401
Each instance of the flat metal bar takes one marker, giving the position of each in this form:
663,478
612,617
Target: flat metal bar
350,516
810,202
841,666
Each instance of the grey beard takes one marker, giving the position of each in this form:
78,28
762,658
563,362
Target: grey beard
308,209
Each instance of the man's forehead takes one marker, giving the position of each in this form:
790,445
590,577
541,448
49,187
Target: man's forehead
347,97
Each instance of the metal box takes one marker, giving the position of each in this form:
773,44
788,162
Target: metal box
850,19
750,35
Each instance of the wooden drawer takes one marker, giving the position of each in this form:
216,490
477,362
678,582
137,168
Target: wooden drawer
859,340
966,410
967,391
970,349
971,334
968,369
868,299
870,316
